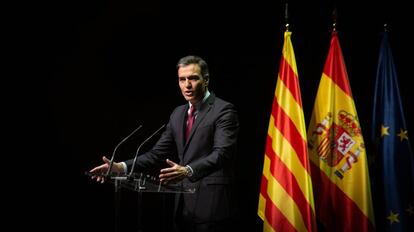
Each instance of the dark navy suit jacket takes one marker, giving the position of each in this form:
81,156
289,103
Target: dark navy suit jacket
209,150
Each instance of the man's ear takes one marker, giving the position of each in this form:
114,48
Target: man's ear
206,79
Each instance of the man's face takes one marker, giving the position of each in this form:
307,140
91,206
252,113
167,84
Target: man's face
191,83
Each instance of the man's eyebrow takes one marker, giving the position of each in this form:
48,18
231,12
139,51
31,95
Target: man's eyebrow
191,76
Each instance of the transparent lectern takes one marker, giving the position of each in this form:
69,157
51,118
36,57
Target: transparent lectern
139,182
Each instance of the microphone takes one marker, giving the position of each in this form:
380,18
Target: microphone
136,154
111,163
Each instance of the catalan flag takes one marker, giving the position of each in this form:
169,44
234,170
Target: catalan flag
395,176
337,152
286,196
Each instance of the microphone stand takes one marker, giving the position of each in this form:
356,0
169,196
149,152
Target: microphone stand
139,148
117,181
130,177
111,163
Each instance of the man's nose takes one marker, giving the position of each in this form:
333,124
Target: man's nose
188,83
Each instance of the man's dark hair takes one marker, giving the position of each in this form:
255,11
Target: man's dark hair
187,60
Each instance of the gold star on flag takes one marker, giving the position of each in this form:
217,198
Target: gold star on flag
410,210
384,130
403,134
393,217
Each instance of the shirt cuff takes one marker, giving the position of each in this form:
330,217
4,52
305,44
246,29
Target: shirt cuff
124,166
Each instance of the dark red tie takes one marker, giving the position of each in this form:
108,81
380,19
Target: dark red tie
190,121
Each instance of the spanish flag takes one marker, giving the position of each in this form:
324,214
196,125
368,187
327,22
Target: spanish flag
286,196
337,152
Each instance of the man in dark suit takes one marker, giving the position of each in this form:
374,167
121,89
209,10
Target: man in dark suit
203,134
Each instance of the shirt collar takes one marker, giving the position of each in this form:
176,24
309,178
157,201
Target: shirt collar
200,103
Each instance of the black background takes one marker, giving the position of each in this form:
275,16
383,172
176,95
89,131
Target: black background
89,72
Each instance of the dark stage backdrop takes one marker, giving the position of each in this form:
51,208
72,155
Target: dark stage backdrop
98,69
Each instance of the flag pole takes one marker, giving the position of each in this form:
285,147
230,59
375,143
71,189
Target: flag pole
287,16
334,18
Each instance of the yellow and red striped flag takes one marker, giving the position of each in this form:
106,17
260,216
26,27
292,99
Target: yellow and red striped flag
286,196
337,152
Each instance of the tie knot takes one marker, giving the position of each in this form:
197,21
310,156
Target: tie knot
192,110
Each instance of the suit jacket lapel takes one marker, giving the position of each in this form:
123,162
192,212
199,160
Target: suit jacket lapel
182,125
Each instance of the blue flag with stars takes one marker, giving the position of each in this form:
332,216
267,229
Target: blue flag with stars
392,149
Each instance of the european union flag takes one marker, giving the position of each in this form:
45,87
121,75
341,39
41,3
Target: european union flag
392,149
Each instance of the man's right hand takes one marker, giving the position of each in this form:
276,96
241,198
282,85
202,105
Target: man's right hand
101,169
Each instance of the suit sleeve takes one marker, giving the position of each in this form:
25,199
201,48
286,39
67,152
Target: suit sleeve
226,127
